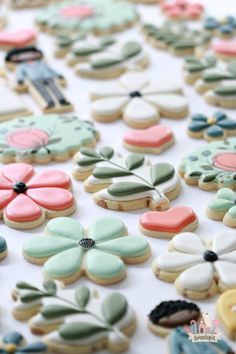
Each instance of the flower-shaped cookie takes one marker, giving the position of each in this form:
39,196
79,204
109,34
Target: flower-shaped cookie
216,127
199,270
226,27
223,207
14,343
27,199
68,252
182,10
138,100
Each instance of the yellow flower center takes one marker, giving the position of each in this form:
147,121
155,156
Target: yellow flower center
10,348
211,120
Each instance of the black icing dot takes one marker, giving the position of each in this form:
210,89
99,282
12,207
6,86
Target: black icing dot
135,94
210,256
20,187
87,243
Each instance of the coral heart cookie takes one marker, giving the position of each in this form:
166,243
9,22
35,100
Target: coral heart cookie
17,39
182,10
3,248
166,224
75,321
225,308
151,141
14,343
225,49
68,252
26,199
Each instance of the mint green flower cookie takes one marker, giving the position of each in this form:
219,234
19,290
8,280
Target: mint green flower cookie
223,207
68,251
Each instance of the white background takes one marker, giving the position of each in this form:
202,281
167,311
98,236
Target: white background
141,288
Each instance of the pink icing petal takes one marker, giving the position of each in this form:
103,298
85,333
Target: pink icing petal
17,172
17,39
225,161
4,183
51,198
27,138
79,11
22,208
225,47
51,178
6,196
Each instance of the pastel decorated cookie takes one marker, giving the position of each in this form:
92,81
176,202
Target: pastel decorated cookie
166,224
179,343
225,308
223,95
3,248
225,27
223,207
168,315
212,166
87,16
182,10
138,100
27,199
129,183
225,49
17,39
44,138
176,37
195,67
199,270
20,4
152,140
75,321
14,343
215,127
3,16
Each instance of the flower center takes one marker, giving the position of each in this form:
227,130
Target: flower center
20,187
87,243
10,348
135,94
210,256
211,120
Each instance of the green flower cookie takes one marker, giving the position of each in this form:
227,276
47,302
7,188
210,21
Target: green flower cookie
68,252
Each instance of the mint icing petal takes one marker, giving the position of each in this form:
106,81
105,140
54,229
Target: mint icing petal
226,193
232,212
128,246
106,228
220,205
65,227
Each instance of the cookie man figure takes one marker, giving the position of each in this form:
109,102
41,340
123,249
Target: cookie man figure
35,76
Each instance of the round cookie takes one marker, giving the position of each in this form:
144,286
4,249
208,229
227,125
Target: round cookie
3,248
225,308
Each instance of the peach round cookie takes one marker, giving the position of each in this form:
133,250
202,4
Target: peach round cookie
226,310
166,224
151,141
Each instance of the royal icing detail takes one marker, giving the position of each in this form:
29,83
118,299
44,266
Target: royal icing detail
44,138
127,179
214,264
70,252
75,319
182,10
223,27
27,199
138,100
3,248
14,343
225,48
212,166
223,95
17,39
87,16
195,67
225,307
215,127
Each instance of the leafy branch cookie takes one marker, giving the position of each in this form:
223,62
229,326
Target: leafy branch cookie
68,251
14,343
225,308
126,183
75,321
224,95
44,138
27,199
182,10
3,248
195,67
212,166
138,100
199,270
224,28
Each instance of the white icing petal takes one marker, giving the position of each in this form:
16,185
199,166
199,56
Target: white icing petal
175,262
224,242
162,87
168,102
139,110
109,106
134,81
188,242
108,90
227,273
197,278
229,257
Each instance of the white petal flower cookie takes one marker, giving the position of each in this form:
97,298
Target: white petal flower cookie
138,100
199,270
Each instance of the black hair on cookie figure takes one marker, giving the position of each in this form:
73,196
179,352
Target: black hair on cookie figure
21,55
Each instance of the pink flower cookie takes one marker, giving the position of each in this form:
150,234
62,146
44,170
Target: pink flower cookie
182,10
17,39
152,140
26,199
225,49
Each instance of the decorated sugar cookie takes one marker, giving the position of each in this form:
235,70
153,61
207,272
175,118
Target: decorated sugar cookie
212,166
215,127
20,4
3,16
199,270
168,315
17,39
75,321
44,138
138,100
3,248
223,207
177,38
14,343
68,252
225,308
182,10
151,140
33,75
87,16
27,199
223,95
225,49
166,224
225,27
129,183
195,67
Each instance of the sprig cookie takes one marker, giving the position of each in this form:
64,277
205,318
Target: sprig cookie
223,95
194,67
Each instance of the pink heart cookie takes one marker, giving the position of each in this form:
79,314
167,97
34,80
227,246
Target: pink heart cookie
225,49
17,39
152,140
166,224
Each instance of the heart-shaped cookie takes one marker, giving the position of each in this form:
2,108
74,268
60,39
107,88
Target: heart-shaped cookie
166,224
17,39
225,49
152,140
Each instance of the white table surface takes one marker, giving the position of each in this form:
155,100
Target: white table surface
142,289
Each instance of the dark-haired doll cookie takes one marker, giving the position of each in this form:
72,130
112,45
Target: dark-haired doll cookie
171,314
